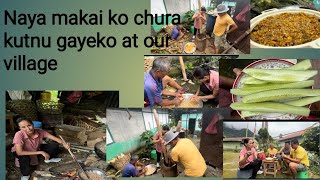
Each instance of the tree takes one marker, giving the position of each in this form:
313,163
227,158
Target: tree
311,140
264,136
280,136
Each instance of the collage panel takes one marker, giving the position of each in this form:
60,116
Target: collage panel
271,149
270,89
55,134
162,143
201,27
182,81
278,24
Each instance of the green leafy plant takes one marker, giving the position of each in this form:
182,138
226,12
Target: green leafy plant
314,163
311,140
188,21
147,138
189,66
172,123
264,137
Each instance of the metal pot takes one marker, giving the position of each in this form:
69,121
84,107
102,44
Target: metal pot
273,12
152,169
101,149
93,170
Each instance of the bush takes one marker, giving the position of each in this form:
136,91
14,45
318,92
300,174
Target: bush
147,138
314,160
311,140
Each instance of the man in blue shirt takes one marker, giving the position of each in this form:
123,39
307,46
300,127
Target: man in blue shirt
177,33
156,80
130,170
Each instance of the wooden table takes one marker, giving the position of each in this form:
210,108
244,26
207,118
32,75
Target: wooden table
270,167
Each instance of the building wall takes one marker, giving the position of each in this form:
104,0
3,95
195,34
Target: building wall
121,127
300,139
177,7
149,120
174,7
125,133
185,120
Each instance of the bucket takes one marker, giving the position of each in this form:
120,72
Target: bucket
153,154
171,171
192,29
303,174
201,42
45,96
37,124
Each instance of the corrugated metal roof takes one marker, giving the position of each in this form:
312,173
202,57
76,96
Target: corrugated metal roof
292,135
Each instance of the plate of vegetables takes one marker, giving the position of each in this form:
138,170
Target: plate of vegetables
275,89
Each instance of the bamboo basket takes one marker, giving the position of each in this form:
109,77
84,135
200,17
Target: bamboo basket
49,107
120,161
80,123
25,108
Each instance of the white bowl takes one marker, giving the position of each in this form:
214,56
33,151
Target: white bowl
273,12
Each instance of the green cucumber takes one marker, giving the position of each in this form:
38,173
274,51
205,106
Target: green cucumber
251,80
280,75
271,107
303,65
280,94
245,114
299,102
304,101
250,89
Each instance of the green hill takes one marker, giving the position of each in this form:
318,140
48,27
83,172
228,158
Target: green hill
231,132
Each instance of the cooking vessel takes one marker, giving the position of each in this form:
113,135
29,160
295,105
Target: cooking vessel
187,97
153,167
94,170
273,12
100,149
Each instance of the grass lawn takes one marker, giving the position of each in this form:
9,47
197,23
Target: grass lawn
230,167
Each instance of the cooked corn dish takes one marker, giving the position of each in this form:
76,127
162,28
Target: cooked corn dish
189,104
287,29
189,47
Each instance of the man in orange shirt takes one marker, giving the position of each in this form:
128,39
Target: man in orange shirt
220,28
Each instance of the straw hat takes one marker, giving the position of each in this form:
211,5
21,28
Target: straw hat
169,136
221,8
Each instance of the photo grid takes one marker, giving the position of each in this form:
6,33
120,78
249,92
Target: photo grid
206,112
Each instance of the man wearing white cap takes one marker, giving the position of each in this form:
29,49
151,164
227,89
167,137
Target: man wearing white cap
184,151
220,28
